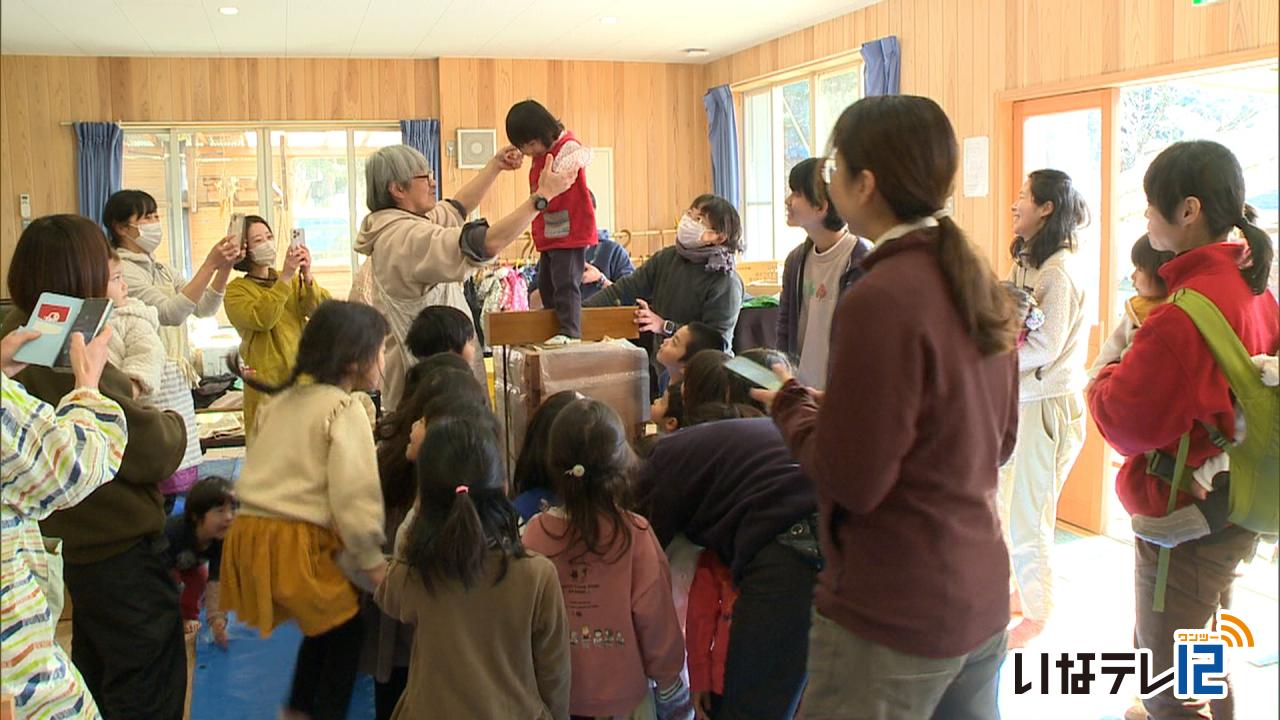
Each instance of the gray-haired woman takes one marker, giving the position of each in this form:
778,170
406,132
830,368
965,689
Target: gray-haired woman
420,251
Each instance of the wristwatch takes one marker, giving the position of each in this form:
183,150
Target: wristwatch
669,328
539,203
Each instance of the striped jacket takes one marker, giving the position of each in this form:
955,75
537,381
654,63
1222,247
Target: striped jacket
49,459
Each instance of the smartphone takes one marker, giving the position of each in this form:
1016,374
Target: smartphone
93,315
55,318
754,373
235,228
297,239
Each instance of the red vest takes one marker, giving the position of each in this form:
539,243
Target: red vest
569,220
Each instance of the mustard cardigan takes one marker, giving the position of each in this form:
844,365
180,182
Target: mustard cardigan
269,315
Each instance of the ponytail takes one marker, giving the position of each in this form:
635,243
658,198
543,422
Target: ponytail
463,512
237,369
984,306
1258,270
453,551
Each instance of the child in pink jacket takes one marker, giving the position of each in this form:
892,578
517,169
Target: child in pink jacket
623,629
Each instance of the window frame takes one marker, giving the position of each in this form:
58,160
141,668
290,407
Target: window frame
178,238
811,73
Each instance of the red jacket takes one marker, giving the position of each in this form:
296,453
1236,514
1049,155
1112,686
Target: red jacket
711,599
570,215
1168,380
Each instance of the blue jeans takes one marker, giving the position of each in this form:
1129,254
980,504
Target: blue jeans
764,673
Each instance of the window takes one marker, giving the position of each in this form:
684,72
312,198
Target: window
785,123
1235,107
304,178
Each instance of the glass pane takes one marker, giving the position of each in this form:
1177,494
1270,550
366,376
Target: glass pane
758,190
366,143
146,167
310,191
1072,142
836,92
793,139
795,126
219,177
1236,108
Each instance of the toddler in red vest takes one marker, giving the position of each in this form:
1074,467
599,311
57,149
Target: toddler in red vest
566,225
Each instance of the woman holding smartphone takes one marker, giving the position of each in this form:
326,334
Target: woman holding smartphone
269,308
134,229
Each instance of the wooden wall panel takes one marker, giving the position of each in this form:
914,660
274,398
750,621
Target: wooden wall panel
962,53
40,93
650,114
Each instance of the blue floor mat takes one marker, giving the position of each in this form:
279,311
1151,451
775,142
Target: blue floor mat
250,680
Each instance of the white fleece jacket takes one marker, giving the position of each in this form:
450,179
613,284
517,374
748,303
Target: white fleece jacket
135,346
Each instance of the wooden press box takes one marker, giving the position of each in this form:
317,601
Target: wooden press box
614,372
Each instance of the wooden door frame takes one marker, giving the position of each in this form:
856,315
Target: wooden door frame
1083,500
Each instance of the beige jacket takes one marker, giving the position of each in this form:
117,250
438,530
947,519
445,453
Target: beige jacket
314,460
414,261
1052,362
135,346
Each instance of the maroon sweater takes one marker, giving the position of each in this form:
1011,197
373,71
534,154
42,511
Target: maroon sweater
904,451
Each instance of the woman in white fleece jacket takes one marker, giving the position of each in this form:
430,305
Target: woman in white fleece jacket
1051,416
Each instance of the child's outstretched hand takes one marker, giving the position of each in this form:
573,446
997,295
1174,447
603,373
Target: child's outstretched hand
509,158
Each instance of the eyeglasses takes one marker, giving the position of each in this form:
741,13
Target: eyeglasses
428,177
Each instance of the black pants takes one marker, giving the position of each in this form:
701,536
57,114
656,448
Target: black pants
560,285
127,636
764,674
387,694
325,674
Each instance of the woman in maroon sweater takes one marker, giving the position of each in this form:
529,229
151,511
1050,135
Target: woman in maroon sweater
921,410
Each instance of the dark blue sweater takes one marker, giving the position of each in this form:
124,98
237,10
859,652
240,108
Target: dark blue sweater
731,486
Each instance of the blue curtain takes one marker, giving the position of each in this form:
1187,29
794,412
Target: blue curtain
882,66
424,136
99,165
723,133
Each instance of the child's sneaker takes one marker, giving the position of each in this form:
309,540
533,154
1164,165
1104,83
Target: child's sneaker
559,340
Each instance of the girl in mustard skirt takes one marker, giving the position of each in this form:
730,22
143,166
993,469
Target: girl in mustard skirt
311,517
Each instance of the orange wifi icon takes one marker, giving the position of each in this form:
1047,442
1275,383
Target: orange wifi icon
1233,631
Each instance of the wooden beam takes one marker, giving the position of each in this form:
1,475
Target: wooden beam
535,326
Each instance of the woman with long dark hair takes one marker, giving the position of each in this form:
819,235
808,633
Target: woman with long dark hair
904,446
269,308
1051,383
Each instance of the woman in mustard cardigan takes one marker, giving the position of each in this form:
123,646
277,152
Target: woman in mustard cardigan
269,309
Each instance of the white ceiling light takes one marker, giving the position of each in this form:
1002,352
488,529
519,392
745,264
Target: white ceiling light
229,10
696,52
608,20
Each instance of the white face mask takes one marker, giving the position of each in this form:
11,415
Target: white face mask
149,237
689,233
263,254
